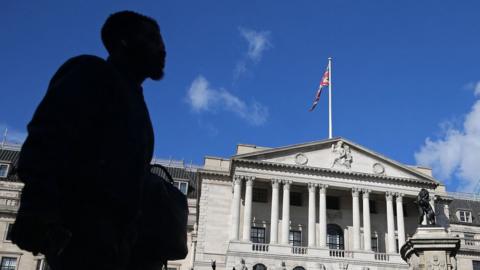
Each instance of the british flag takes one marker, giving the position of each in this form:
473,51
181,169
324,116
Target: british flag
324,82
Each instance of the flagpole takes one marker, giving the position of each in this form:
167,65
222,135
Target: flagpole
330,97
4,137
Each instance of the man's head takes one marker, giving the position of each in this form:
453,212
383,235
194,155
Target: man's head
135,38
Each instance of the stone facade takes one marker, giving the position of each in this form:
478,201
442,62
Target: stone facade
335,206
330,204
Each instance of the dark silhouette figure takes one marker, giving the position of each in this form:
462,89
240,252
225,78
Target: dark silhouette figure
214,265
88,149
424,208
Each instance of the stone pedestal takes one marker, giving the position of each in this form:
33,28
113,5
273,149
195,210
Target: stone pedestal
430,248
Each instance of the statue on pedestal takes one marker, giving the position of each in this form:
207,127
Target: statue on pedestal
424,208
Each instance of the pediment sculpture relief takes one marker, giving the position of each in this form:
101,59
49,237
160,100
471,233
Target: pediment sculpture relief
344,155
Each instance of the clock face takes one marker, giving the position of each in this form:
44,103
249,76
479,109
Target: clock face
301,159
378,168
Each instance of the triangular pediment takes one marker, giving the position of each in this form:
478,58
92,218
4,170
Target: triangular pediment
337,154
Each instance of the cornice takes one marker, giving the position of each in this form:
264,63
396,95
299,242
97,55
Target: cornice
309,169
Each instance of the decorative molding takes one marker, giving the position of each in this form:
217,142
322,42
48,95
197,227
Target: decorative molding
344,155
328,171
301,159
286,184
378,168
275,183
312,186
389,195
355,192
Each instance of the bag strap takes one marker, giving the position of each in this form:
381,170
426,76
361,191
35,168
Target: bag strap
167,174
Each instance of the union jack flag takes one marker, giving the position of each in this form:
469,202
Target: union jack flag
324,82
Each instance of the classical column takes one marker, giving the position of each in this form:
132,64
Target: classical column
311,214
237,189
274,214
432,204
356,218
390,223
323,215
286,212
400,221
247,214
367,234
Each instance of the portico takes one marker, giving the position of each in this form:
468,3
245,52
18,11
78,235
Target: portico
359,228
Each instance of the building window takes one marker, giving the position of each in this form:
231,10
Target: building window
374,244
333,203
296,198
257,235
373,207
464,216
259,266
476,265
259,195
396,244
295,238
8,263
8,232
334,237
3,170
182,186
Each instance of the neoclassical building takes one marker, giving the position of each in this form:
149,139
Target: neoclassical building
330,204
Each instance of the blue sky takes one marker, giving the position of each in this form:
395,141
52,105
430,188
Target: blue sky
405,74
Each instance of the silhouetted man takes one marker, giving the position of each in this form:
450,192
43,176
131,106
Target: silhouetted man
89,146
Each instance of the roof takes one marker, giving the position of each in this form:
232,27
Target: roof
9,154
464,204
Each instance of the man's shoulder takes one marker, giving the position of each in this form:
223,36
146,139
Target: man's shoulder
86,62
83,68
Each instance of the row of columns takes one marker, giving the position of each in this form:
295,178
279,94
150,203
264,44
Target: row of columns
391,248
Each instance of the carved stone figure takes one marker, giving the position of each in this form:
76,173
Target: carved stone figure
424,208
243,266
344,155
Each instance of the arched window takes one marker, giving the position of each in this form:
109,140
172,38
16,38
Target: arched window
298,268
259,266
334,237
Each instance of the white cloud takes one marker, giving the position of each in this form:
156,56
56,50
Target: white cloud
202,97
475,86
12,135
258,42
457,151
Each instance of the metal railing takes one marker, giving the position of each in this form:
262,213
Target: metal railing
382,257
299,250
260,247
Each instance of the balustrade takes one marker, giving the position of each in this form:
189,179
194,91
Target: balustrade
260,247
299,250
381,257
338,253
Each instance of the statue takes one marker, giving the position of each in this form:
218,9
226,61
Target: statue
344,155
424,208
243,267
214,265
